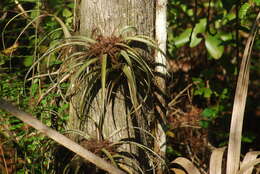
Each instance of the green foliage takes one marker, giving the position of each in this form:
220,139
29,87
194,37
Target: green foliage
214,46
210,35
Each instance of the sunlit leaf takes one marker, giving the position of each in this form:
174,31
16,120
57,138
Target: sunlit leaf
28,61
214,47
10,49
66,12
257,2
243,10
226,36
183,38
199,28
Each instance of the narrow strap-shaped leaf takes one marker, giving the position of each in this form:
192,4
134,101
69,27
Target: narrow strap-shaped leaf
249,165
103,75
249,157
216,159
127,29
110,157
132,85
85,65
234,145
126,57
187,165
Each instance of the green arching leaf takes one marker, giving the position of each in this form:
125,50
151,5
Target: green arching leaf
65,29
92,77
132,85
141,39
103,74
135,56
183,38
127,29
85,65
110,157
243,10
83,39
126,57
199,28
214,47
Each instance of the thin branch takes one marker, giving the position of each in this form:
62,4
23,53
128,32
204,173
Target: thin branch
59,138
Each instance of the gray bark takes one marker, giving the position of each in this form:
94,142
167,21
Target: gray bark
108,17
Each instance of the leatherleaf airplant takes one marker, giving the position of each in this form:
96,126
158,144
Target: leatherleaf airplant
103,62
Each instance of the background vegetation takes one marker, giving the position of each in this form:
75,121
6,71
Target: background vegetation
206,39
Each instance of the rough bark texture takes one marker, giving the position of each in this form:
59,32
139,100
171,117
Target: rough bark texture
108,17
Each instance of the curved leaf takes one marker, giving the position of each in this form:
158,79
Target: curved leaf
183,38
216,160
250,156
199,28
187,165
243,10
132,85
214,47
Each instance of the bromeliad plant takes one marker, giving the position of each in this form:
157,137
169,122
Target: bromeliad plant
104,62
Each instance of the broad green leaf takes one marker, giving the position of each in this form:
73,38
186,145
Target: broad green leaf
257,2
66,12
226,36
183,38
71,5
204,123
28,61
207,92
199,28
214,47
243,10
209,113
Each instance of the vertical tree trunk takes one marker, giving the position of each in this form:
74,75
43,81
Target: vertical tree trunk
106,18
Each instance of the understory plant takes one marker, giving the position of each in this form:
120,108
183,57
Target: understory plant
233,165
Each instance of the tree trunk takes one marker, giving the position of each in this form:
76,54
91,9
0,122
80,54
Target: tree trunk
107,18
